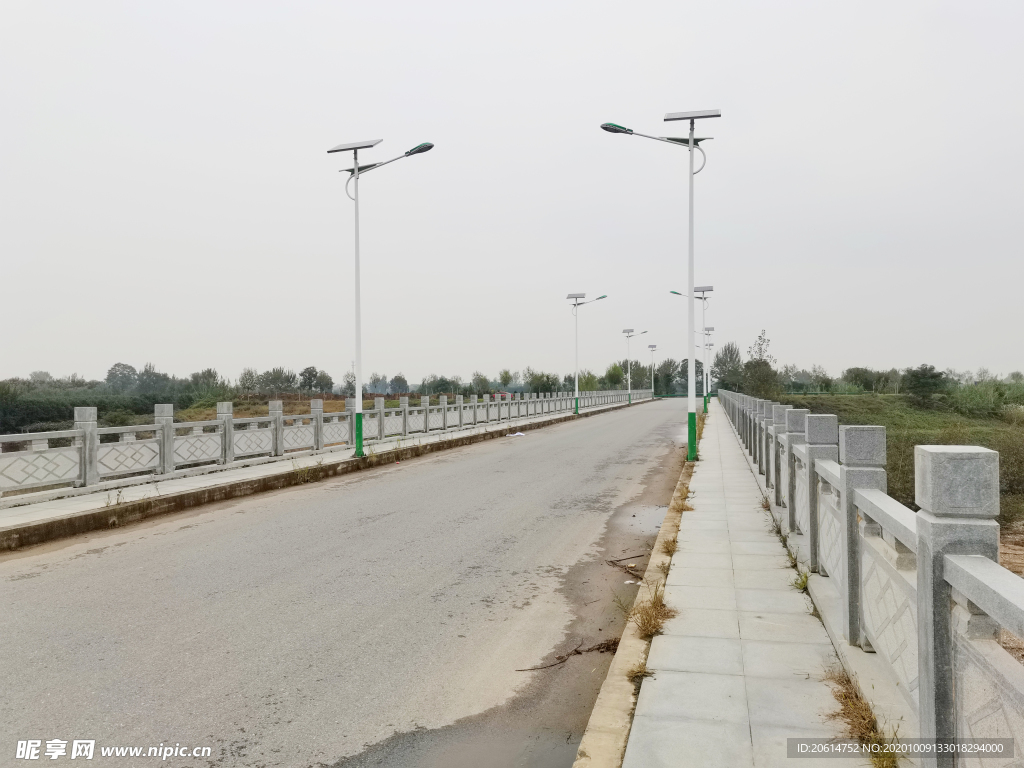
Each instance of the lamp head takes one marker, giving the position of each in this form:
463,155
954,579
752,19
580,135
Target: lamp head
601,297
420,149
614,128
677,293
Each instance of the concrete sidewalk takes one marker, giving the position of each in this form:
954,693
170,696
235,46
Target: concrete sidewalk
738,671
110,505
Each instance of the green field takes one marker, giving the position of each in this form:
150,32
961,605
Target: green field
908,425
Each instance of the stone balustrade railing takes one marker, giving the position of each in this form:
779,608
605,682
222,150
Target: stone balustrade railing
922,590
88,454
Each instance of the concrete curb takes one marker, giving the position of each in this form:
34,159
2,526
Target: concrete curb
604,741
116,515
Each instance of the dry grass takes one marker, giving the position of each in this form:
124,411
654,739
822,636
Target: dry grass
766,503
650,614
669,546
854,712
799,581
638,672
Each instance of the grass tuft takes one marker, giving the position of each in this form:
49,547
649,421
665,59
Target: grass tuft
638,672
650,614
669,546
854,712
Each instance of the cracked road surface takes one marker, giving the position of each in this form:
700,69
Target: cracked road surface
374,619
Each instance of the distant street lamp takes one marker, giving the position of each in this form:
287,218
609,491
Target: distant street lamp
652,347
707,372
691,143
354,172
576,302
629,383
703,290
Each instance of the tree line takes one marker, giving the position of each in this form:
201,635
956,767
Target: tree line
979,393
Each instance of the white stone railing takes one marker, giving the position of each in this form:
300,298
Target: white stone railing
922,590
165,448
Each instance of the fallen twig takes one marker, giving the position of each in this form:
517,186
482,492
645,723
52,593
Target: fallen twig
608,646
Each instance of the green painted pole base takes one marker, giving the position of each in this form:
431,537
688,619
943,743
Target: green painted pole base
629,399
577,411
359,436
691,442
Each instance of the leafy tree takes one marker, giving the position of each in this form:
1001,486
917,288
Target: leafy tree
865,378
122,377
665,376
1016,377
348,386
481,384
614,376
505,377
923,382
759,349
307,378
278,380
40,377
760,380
150,381
378,384
323,382
398,384
727,368
588,381
207,378
822,381
248,381
569,382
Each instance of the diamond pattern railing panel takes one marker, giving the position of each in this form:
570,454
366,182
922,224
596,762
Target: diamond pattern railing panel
435,418
192,449
249,442
298,437
416,421
335,432
393,423
890,617
28,469
989,702
830,540
124,458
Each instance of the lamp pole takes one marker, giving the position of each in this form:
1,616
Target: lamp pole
691,143
629,381
577,302
652,347
356,428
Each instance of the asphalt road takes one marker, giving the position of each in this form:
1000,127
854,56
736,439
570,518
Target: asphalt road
360,617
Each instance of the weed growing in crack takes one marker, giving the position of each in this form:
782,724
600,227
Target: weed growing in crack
857,718
650,614
638,672
799,582
669,546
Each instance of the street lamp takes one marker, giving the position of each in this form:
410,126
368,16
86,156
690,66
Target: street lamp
354,172
629,382
577,302
707,373
703,290
652,347
690,143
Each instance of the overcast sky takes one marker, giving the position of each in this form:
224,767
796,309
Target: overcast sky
167,196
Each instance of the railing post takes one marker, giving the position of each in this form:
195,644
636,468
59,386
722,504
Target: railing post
862,457
316,407
443,400
957,488
85,420
777,429
163,414
403,403
226,417
277,424
425,404
821,433
795,425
